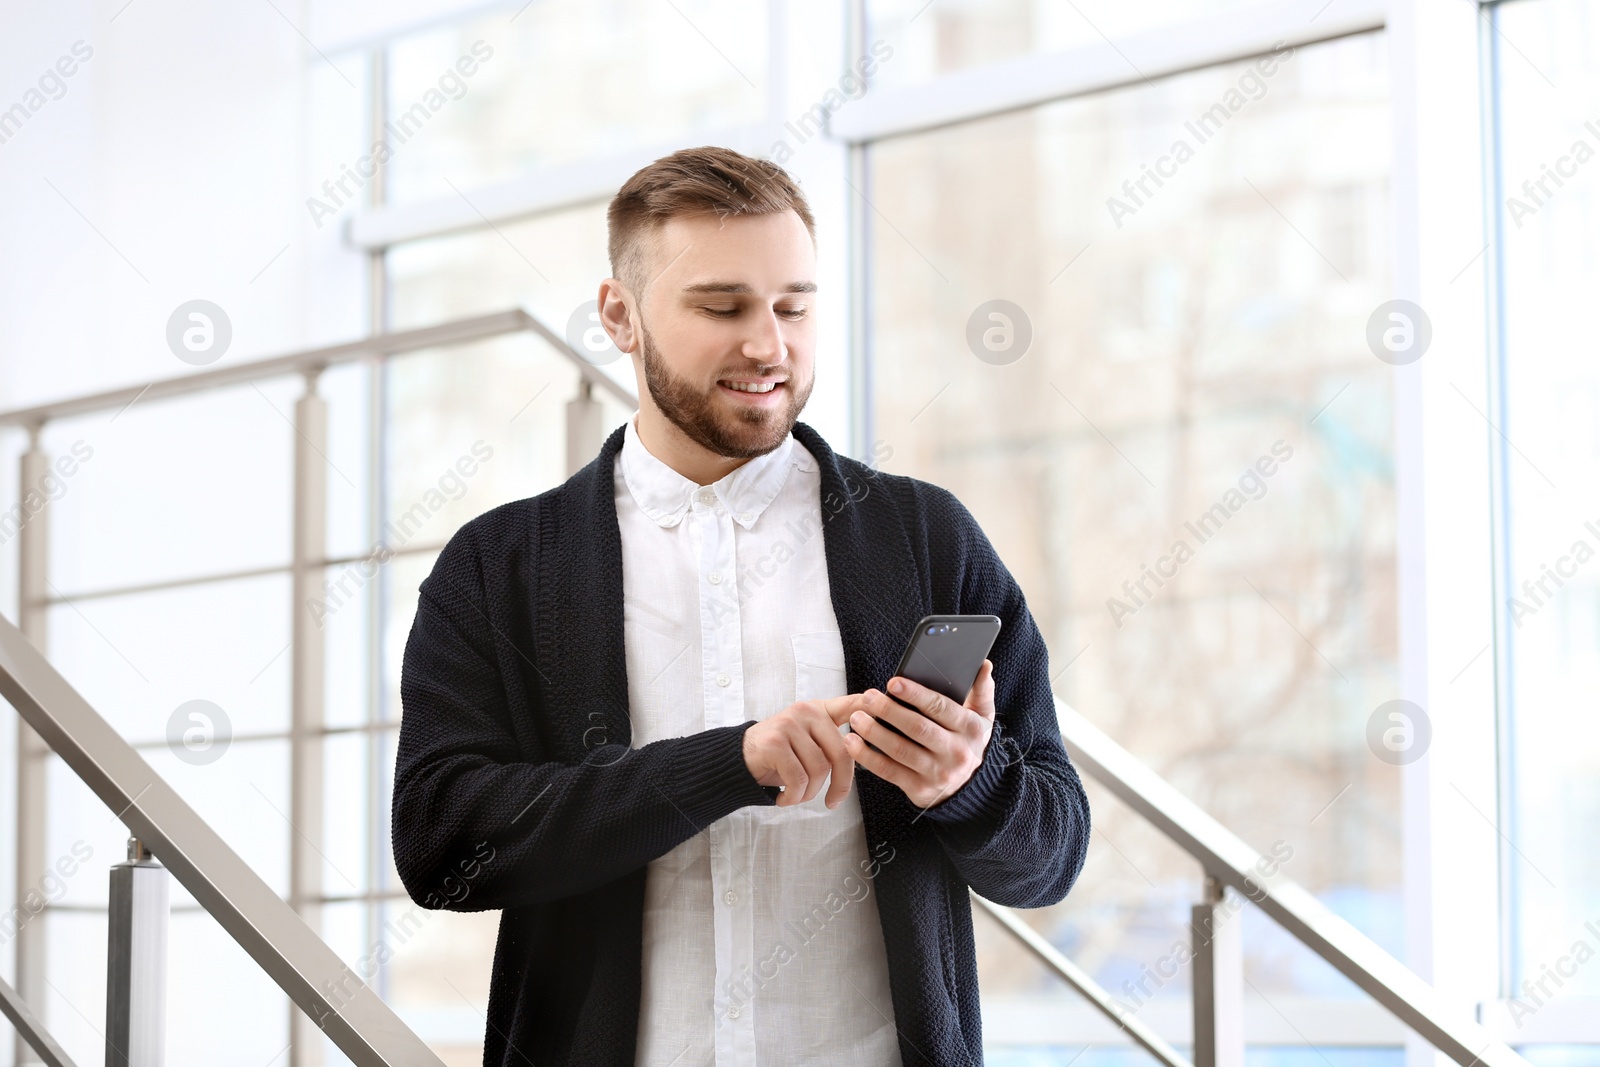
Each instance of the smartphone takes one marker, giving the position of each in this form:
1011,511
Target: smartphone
945,653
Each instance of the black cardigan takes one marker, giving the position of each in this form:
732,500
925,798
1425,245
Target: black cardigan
515,787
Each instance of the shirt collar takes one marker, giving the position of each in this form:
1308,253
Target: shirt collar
666,496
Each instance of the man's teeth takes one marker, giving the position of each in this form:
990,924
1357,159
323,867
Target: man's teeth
752,387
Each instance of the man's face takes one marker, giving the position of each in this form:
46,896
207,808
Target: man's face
728,334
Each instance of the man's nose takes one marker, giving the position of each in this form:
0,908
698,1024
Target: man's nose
766,341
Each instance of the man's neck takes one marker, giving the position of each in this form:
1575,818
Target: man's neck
663,440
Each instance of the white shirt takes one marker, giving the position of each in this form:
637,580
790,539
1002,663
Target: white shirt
762,943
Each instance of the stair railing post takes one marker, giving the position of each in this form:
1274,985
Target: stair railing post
584,436
31,527
136,962
1218,980
306,666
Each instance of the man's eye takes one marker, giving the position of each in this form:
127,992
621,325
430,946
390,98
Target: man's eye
793,313
723,313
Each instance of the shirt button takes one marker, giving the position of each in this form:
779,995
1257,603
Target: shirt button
744,516
707,496
714,578
731,897
733,1013
723,680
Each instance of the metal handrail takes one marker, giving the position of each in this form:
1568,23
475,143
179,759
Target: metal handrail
1143,1036
31,1028
312,974
457,332
1228,859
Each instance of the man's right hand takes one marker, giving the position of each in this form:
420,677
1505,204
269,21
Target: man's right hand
799,747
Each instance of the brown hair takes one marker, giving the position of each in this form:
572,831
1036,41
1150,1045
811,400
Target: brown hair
709,180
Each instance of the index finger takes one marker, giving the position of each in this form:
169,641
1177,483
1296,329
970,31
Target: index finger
839,708
980,697
844,767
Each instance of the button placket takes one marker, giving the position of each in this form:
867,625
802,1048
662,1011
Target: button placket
723,694
720,629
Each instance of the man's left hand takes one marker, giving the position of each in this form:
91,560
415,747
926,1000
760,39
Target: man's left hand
943,744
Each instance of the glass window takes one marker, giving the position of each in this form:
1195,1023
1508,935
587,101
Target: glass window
549,264
438,979
933,37
172,488
137,658
558,81
1548,73
1128,331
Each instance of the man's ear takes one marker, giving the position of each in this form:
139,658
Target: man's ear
618,314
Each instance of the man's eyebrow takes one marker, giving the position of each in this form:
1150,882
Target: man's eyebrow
741,289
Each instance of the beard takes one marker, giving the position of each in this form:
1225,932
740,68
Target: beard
744,433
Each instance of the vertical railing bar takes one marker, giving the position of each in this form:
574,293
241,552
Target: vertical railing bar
310,518
377,693
33,618
584,428
136,961
377,506
858,234
1218,990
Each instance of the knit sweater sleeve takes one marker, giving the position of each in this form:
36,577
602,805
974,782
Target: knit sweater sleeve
478,825
1018,829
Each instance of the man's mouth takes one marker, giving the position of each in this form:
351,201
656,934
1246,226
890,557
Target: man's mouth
742,386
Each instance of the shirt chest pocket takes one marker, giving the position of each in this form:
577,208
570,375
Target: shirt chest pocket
818,665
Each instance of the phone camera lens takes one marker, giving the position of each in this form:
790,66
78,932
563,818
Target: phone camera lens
932,630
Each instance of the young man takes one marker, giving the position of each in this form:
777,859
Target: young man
625,699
